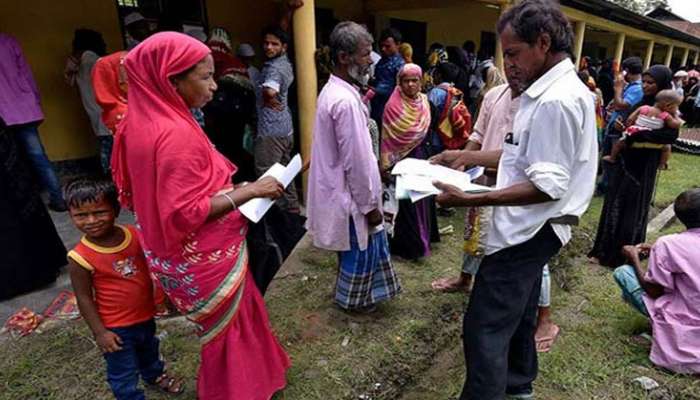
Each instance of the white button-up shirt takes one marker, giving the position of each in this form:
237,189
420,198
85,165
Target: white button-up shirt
554,146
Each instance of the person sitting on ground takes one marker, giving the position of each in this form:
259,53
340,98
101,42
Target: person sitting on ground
115,293
664,113
669,290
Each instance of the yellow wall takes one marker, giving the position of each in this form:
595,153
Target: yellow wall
448,26
244,19
45,28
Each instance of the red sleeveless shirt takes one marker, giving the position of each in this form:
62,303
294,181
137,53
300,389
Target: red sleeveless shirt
124,290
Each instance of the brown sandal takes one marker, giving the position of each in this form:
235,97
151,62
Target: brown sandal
169,384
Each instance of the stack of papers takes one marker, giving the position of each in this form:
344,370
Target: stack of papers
255,209
414,179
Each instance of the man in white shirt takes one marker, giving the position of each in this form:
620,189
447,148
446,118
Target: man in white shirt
546,179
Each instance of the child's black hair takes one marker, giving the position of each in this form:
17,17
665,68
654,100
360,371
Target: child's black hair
89,190
687,208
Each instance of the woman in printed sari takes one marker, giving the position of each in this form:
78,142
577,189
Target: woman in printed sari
193,235
404,134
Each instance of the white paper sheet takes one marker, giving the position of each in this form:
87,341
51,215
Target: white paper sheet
414,179
255,209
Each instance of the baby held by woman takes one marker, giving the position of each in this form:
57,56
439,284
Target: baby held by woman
664,113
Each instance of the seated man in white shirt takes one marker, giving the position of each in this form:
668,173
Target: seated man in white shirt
546,178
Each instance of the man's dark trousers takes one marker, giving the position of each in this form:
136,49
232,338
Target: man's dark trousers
500,322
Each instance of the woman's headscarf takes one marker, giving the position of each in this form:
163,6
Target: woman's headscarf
405,121
663,76
164,166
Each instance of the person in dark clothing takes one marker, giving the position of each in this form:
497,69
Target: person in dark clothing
623,220
227,116
606,81
32,250
457,57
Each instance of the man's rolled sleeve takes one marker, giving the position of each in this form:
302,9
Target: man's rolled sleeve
551,148
551,179
272,79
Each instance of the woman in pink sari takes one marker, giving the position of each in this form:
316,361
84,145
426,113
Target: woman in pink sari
180,189
405,126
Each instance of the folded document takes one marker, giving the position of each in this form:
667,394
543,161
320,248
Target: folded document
414,179
255,209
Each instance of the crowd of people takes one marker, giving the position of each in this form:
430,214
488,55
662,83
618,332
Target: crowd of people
187,126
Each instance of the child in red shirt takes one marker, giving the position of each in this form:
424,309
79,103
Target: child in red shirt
115,292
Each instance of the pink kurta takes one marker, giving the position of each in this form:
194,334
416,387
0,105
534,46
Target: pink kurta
344,180
495,118
675,317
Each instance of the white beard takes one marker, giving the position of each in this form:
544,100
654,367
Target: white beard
358,76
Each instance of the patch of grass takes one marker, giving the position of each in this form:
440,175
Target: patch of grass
64,363
683,174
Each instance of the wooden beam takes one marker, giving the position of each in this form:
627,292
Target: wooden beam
578,42
614,27
649,55
374,6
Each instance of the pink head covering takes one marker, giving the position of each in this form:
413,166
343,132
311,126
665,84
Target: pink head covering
163,164
409,70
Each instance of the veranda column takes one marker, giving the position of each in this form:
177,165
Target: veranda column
498,57
649,55
697,54
304,27
669,55
619,48
578,42
684,59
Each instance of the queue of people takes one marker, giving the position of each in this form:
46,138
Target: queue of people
194,125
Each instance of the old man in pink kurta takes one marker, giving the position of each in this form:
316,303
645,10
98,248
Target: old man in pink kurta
344,199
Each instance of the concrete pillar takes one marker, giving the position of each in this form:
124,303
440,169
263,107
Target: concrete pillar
669,55
498,57
578,42
697,54
619,48
304,27
684,59
649,55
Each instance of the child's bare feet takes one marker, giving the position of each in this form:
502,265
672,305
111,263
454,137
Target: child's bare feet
609,159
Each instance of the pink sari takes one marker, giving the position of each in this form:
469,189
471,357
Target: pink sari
167,171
